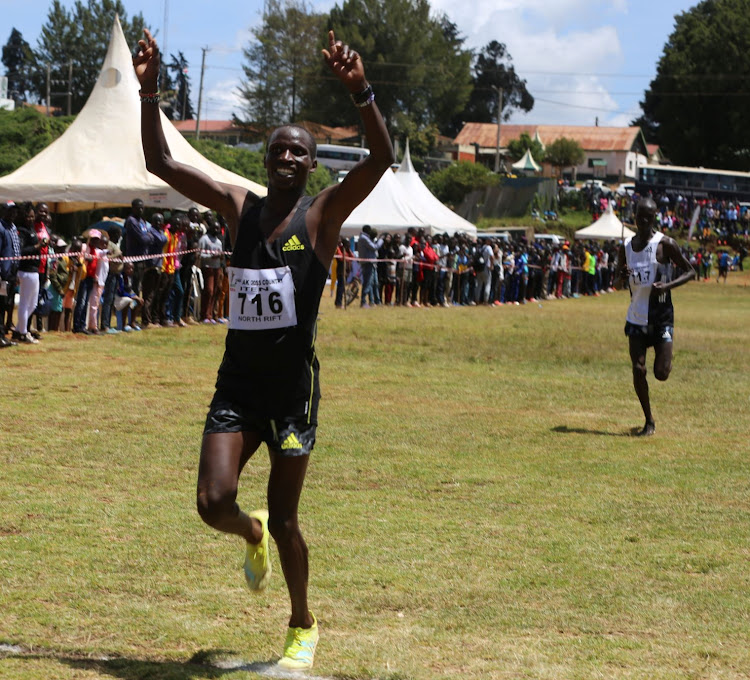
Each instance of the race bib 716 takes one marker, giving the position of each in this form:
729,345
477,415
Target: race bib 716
261,299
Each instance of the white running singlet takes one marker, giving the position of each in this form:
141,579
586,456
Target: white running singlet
643,267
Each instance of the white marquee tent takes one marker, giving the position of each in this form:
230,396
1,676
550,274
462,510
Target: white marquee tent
527,163
429,209
98,162
387,209
608,226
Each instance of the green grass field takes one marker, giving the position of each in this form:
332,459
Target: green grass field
475,507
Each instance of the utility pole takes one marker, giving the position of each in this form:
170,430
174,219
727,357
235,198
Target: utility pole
200,96
163,74
70,87
499,91
49,68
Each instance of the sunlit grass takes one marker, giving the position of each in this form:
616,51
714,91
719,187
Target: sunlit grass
475,505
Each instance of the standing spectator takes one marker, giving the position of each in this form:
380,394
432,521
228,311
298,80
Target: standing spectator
138,237
195,222
177,293
367,249
406,253
342,252
76,273
86,288
166,278
58,278
28,273
152,272
10,247
101,272
41,224
483,271
211,250
114,254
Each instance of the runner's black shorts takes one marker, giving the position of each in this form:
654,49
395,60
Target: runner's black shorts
652,334
286,436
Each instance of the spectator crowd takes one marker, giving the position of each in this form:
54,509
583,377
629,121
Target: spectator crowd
171,271
117,278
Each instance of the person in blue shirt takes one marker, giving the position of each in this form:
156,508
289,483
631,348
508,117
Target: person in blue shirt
723,266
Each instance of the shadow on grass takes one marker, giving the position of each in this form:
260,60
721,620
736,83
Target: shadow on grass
564,429
205,665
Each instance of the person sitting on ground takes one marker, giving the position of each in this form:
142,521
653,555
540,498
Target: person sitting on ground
127,303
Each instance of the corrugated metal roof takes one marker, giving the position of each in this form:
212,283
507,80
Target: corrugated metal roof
591,138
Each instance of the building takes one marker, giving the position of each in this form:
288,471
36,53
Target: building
613,154
225,131
228,132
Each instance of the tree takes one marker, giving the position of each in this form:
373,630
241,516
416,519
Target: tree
18,60
249,164
281,60
414,61
451,184
699,101
24,133
59,45
518,147
182,107
493,70
563,153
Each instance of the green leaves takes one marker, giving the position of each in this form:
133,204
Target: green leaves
698,105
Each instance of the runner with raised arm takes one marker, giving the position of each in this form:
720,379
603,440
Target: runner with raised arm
267,388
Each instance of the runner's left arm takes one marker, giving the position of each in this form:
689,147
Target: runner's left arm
671,251
335,203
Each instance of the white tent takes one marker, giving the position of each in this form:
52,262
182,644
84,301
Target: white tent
439,218
527,163
608,226
98,162
387,209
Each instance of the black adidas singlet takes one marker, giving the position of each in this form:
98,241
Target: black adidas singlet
273,370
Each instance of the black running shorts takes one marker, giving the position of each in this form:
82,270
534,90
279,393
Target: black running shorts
288,437
652,334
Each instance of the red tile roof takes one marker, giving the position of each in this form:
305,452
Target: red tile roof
322,133
591,138
207,126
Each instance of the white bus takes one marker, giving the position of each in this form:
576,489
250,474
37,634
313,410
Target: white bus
339,157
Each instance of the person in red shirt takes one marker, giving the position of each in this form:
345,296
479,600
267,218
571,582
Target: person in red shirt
42,232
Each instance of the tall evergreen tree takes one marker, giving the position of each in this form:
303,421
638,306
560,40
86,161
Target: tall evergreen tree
281,59
18,60
179,82
492,70
59,45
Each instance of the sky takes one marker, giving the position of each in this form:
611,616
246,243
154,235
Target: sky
583,60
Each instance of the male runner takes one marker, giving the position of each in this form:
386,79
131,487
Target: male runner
647,260
267,388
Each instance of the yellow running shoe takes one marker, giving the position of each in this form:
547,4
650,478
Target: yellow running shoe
257,559
299,648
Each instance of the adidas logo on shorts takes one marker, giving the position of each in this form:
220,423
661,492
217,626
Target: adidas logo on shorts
291,442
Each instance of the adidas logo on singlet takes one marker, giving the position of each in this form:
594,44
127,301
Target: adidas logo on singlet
291,442
293,244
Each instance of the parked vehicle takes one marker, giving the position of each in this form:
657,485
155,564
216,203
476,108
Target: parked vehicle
340,157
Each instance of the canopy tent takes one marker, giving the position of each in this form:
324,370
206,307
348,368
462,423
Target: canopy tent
608,226
387,208
98,161
438,218
527,163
